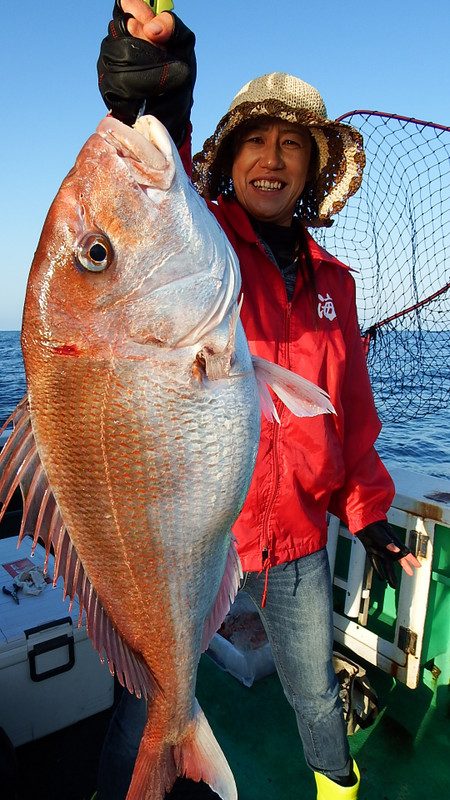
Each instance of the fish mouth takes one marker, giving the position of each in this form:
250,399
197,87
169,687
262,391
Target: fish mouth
146,149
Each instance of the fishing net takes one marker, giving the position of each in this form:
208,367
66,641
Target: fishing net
396,233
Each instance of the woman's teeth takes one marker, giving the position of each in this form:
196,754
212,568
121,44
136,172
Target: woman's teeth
267,186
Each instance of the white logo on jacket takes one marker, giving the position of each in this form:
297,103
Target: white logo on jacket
325,307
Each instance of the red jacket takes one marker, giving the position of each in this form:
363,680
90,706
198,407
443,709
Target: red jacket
306,466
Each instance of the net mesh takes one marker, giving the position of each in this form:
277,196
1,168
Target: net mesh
396,233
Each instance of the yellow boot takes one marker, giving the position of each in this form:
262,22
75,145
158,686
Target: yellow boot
329,790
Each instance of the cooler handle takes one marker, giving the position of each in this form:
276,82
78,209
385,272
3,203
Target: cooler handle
65,640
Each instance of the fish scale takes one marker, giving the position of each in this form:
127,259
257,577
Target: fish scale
170,504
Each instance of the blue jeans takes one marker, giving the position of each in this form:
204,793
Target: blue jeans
298,620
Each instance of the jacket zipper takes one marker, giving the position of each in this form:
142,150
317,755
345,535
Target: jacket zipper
265,539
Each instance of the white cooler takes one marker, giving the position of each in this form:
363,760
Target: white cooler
50,674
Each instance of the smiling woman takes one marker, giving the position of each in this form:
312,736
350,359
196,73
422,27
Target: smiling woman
270,169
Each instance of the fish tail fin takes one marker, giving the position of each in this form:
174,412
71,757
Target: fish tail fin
200,758
197,756
154,773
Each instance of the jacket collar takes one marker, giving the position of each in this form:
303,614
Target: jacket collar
320,255
239,221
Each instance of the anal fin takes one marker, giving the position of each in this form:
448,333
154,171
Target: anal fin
227,592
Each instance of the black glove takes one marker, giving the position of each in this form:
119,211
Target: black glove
134,75
375,538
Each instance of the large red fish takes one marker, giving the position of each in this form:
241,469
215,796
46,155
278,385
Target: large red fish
136,445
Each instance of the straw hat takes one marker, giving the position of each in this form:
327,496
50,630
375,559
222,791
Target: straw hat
339,159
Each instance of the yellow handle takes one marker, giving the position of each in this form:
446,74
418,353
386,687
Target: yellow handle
159,5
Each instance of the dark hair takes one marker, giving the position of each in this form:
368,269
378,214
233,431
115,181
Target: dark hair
307,208
306,266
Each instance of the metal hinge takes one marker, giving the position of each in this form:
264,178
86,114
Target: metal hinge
418,543
407,641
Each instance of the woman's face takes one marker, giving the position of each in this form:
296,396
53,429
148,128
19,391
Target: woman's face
270,169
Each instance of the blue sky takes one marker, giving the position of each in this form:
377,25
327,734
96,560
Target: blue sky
373,55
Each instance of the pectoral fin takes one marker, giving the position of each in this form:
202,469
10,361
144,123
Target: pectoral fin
302,397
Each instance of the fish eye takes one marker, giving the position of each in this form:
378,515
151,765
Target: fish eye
94,252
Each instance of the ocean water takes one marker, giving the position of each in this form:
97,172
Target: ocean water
421,445
12,375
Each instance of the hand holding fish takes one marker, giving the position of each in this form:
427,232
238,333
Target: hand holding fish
141,70
143,24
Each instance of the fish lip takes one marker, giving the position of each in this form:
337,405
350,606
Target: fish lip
146,150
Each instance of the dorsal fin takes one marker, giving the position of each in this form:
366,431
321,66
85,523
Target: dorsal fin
20,466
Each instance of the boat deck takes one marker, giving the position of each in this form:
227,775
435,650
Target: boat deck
403,756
